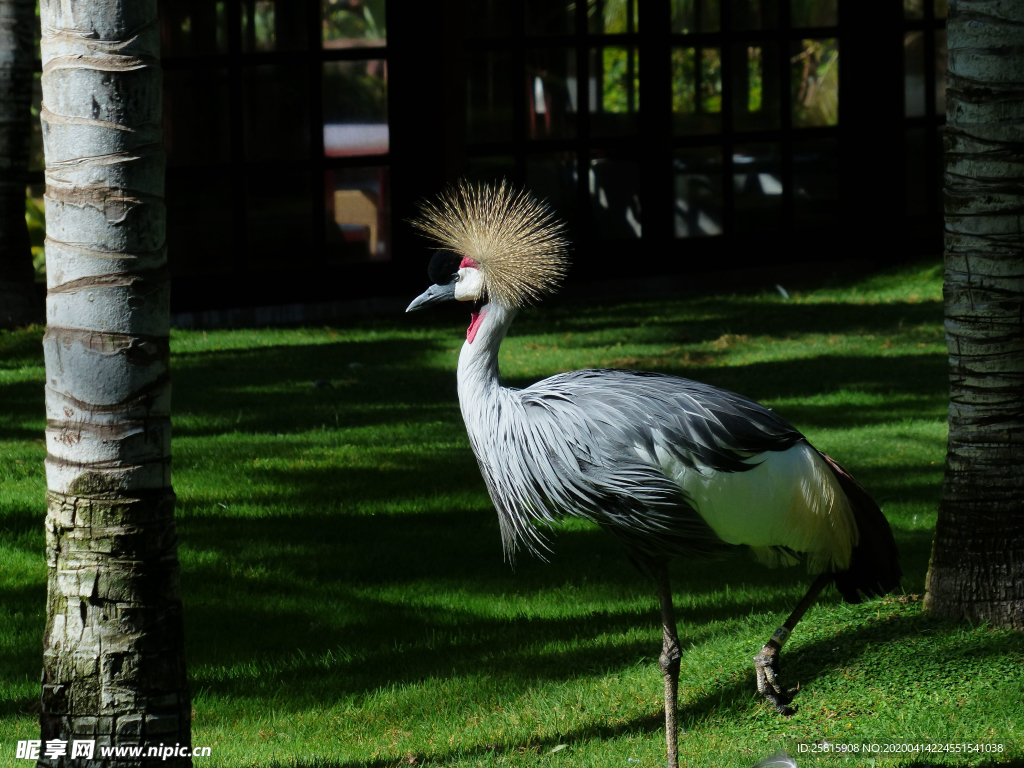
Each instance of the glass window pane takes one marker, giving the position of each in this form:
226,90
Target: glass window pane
755,14
614,90
193,28
489,91
358,213
490,170
552,177
913,9
199,231
941,9
698,192
695,16
273,25
913,74
551,93
614,198
813,13
755,86
612,17
550,17
355,108
696,90
757,187
278,215
196,116
490,18
353,23
940,72
814,76
276,111
816,182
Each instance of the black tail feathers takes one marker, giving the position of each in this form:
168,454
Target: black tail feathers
875,562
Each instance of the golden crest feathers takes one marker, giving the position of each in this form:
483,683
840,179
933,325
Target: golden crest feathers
515,238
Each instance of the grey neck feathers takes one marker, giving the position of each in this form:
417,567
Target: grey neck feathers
479,377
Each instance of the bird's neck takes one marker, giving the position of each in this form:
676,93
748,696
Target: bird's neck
478,362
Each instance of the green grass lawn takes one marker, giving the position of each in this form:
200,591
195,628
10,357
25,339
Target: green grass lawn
346,601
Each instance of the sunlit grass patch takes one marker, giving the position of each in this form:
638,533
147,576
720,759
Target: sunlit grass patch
346,599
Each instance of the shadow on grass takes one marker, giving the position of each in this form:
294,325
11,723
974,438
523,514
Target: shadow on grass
338,587
699,320
302,387
809,663
21,402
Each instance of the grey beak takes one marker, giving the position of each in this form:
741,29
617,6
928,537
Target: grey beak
435,294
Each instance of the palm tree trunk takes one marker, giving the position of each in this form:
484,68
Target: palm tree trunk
977,566
18,304
113,656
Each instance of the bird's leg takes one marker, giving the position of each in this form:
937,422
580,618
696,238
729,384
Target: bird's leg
669,662
766,663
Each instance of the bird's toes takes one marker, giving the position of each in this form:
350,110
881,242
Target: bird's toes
768,683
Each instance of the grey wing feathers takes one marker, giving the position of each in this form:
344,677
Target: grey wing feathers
575,444
703,424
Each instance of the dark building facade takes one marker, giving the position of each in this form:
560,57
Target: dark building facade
675,136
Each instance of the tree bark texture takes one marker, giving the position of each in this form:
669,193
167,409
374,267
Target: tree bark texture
977,566
113,653
18,304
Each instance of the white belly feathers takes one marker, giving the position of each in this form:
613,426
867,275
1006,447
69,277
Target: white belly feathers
790,499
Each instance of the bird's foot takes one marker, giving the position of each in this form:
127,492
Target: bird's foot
766,664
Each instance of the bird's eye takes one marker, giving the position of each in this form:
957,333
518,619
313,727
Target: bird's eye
457,277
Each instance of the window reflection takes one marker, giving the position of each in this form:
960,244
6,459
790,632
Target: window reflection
814,80
696,90
816,182
355,108
489,93
551,93
193,28
940,72
353,23
490,170
814,13
613,16
690,16
196,116
553,177
757,187
614,198
755,14
357,205
913,9
199,219
273,25
278,215
550,17
913,74
755,86
698,192
276,111
614,87
490,18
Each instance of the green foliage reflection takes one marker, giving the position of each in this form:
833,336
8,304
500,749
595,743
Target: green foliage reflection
617,95
814,83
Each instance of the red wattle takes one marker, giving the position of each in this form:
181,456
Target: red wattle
474,325
468,262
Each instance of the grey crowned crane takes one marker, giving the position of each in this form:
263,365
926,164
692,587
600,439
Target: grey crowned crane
669,467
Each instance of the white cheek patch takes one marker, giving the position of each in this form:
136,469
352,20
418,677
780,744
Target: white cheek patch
470,285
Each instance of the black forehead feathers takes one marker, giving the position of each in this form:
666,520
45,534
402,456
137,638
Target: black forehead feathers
443,266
